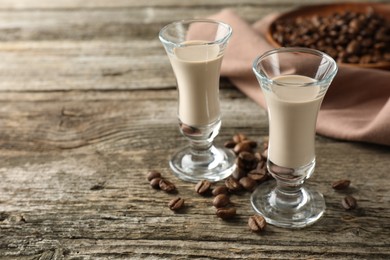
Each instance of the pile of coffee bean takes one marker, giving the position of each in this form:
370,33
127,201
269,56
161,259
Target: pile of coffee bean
348,37
251,163
251,171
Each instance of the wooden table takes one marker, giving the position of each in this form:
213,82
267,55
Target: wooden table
88,107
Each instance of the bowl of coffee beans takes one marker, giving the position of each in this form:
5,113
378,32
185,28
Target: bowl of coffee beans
354,34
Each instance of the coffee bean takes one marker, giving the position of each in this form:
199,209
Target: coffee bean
367,43
341,184
176,203
242,147
232,185
153,174
226,213
259,175
257,223
202,187
189,130
349,202
357,34
352,47
353,59
230,144
246,157
220,190
264,154
246,161
247,183
262,165
239,137
239,173
279,170
167,186
251,143
258,156
221,200
265,142
155,183
98,186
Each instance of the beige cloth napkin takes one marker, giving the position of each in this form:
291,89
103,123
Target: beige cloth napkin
356,106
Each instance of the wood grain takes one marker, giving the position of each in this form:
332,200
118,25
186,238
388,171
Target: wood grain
111,139
88,107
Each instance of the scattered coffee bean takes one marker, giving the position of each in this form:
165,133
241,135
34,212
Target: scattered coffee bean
167,186
248,183
226,213
176,203
349,202
251,161
341,184
221,200
155,183
202,187
153,174
257,223
232,185
220,190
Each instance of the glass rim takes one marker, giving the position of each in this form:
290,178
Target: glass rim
296,50
196,20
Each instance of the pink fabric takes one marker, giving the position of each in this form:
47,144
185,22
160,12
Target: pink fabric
356,106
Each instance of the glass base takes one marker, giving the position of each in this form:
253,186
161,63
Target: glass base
308,211
220,165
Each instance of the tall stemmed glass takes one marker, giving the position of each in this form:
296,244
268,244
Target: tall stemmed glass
195,49
294,82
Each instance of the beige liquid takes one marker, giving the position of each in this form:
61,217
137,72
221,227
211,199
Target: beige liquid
197,70
293,114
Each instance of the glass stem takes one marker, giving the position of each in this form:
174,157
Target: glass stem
289,195
201,151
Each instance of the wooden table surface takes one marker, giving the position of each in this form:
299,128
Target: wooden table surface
88,107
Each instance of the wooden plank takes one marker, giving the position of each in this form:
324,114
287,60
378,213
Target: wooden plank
88,106
122,23
86,65
47,206
50,66
66,124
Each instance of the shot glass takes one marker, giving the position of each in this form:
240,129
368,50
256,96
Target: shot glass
195,49
294,82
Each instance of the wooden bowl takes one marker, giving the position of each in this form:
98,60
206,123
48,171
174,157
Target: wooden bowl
329,9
